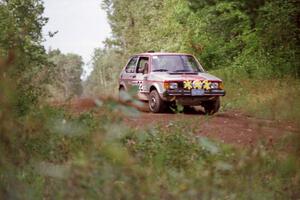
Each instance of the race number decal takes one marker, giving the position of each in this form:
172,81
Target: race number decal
140,85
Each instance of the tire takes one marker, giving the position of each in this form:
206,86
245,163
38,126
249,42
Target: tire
156,104
188,109
211,107
121,90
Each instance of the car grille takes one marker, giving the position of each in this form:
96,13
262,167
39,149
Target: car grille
180,85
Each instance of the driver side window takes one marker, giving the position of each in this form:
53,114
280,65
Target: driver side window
131,65
143,65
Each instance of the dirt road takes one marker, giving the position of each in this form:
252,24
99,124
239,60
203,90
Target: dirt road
231,127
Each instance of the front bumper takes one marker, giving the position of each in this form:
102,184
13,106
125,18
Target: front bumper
185,97
171,93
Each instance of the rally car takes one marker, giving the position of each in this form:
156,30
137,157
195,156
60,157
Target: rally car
165,79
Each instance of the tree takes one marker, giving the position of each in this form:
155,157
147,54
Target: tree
259,37
107,64
21,23
65,82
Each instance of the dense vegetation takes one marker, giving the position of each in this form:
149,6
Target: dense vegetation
21,25
54,153
33,73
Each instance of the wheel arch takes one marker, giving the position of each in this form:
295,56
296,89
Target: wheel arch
158,87
152,87
156,103
122,86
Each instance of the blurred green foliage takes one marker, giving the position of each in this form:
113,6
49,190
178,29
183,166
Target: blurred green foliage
94,155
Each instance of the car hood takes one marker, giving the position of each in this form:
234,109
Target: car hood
182,77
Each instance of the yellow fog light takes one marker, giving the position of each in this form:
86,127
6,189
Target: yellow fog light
166,85
188,85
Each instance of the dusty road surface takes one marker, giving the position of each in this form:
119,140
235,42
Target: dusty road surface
228,127
231,127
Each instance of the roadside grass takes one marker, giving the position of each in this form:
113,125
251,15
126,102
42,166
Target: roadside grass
92,155
277,99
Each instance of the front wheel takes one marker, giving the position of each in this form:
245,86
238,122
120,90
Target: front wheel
122,91
156,104
211,107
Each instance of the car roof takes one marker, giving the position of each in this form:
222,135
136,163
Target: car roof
161,54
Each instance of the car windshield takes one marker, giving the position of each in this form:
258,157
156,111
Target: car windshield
176,63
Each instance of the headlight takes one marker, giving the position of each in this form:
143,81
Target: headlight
214,86
173,86
221,86
170,85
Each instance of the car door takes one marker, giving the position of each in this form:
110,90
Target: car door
142,76
129,74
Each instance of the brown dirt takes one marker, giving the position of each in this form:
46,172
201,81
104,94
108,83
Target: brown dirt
231,127
228,127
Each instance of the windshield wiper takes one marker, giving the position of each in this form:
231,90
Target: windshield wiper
184,70
160,70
